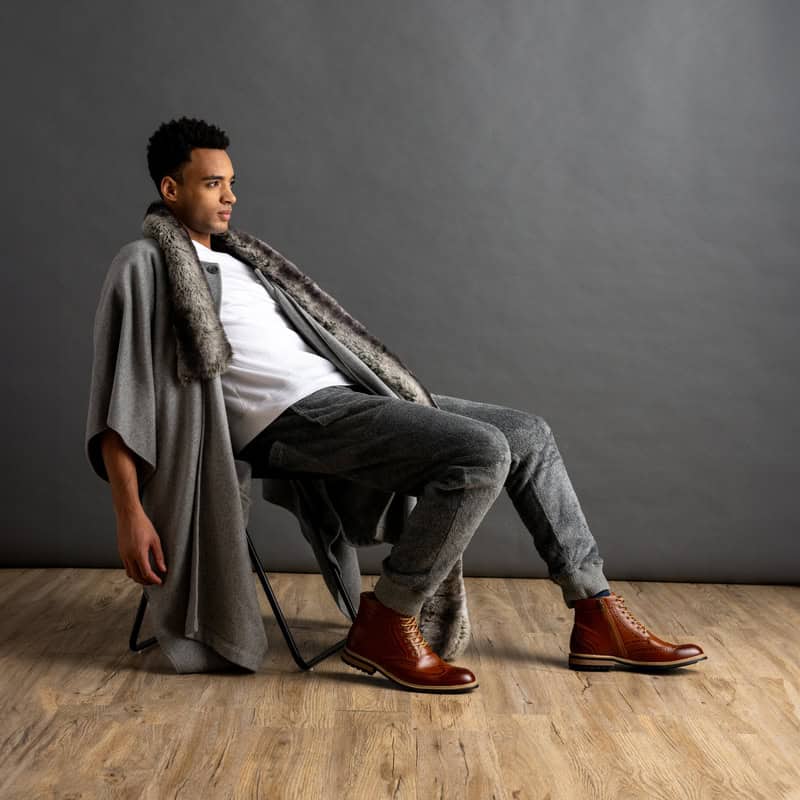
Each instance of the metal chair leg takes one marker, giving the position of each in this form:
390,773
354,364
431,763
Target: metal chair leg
137,624
276,610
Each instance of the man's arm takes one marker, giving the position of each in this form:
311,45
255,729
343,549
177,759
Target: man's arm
136,535
120,463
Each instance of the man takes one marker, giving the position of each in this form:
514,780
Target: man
289,406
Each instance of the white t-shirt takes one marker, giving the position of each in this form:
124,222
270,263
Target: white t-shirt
272,366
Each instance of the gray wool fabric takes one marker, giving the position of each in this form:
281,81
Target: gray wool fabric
158,352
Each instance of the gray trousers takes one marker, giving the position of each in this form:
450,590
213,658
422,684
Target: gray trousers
455,460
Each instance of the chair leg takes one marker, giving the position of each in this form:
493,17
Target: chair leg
137,624
136,646
278,613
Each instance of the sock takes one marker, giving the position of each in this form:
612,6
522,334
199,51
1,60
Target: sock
604,593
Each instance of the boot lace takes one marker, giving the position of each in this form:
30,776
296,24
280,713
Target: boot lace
625,610
415,637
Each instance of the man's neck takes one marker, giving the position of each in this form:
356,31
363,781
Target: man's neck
205,243
203,238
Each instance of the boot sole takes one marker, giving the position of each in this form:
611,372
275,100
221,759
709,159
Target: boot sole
589,662
365,665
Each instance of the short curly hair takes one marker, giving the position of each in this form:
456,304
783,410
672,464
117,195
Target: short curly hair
170,147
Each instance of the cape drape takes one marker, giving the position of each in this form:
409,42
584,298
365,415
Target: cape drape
206,615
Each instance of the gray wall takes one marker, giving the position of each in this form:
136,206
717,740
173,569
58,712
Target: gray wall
586,210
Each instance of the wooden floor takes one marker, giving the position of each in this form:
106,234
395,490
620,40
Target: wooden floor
83,717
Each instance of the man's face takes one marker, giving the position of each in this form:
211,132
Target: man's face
203,194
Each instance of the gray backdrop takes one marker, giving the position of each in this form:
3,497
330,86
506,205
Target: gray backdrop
586,210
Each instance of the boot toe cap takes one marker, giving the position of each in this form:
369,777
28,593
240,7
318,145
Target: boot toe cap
462,675
689,650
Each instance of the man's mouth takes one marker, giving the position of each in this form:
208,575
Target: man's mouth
225,214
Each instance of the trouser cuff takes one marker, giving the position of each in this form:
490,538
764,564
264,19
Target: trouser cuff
581,583
399,598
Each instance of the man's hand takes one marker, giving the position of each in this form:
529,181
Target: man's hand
136,536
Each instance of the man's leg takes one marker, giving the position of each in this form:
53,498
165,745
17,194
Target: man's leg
542,493
454,465
605,633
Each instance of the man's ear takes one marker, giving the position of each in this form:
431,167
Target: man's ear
168,188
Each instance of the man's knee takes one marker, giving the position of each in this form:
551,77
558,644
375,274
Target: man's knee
540,427
493,450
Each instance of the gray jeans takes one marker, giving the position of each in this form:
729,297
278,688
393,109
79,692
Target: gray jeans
455,460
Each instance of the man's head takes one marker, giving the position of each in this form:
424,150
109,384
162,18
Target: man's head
187,161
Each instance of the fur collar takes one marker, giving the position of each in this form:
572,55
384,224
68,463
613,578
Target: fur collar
203,348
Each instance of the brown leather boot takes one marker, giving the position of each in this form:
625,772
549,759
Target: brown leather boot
383,639
605,634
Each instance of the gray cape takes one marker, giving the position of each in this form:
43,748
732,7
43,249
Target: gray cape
158,351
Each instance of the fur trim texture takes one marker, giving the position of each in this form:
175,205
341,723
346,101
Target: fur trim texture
444,619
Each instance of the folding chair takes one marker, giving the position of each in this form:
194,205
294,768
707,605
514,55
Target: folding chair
137,646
